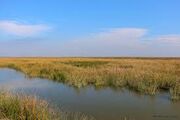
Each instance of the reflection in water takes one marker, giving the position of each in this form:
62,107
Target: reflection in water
102,103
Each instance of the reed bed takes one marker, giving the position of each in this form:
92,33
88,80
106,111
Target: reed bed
144,75
23,107
15,107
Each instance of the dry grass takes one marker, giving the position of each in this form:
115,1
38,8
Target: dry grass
15,107
22,107
143,75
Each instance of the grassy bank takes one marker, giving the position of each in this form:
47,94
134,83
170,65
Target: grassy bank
144,75
22,107
14,107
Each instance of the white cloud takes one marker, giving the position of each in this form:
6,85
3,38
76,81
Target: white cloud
113,42
20,29
121,33
117,41
169,39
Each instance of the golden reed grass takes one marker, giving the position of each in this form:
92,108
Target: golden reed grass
22,107
144,75
15,107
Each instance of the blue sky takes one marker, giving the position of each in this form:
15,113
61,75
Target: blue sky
89,28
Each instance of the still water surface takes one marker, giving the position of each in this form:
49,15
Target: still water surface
103,104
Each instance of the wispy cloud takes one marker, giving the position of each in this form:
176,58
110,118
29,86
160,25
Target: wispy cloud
117,41
21,29
121,33
169,39
112,42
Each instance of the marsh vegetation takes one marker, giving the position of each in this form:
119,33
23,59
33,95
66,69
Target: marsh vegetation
144,75
18,107
24,107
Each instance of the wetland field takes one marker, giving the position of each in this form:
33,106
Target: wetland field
90,88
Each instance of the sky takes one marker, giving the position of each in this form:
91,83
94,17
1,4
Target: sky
90,28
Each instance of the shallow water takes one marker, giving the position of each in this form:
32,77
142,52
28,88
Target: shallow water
103,104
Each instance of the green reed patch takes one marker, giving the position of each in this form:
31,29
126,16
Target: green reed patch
86,63
13,66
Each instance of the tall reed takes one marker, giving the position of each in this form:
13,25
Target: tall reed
145,75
